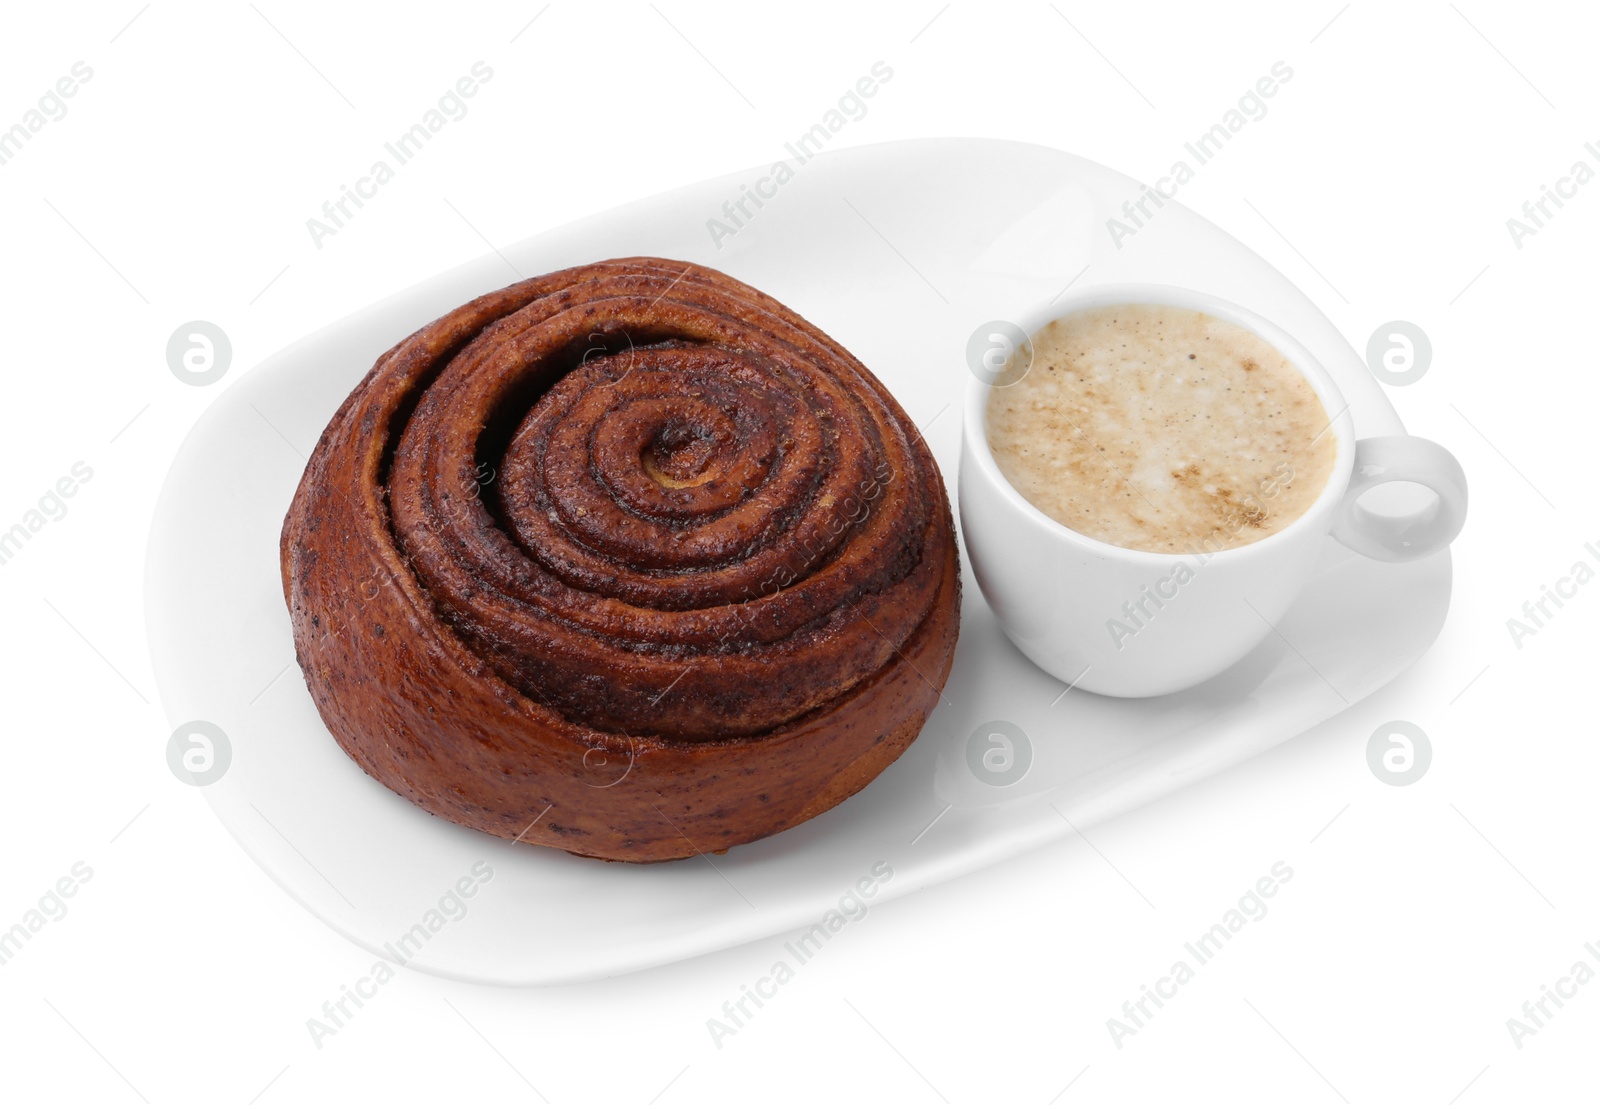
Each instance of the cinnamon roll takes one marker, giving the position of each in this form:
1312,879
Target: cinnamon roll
629,560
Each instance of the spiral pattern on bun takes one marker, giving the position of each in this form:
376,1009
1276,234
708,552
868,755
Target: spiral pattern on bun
633,544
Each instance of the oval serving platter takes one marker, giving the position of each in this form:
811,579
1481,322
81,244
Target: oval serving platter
899,251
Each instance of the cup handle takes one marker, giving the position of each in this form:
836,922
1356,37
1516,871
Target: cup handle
1410,458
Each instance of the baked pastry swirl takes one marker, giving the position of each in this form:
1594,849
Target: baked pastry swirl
629,560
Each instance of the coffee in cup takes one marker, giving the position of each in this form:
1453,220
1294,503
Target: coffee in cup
1161,428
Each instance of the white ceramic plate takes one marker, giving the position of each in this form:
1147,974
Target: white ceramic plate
899,251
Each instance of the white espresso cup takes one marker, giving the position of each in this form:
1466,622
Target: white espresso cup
1132,623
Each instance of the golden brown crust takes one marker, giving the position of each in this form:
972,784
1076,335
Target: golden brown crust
631,546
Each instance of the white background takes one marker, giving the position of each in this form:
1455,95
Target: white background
1419,920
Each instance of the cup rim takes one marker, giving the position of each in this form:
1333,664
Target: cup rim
1341,424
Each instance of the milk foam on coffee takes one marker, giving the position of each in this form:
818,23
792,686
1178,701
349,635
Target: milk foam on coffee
1161,429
